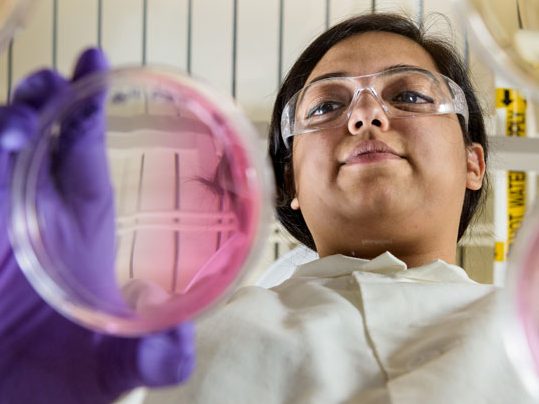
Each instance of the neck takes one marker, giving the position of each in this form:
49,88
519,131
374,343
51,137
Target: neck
414,253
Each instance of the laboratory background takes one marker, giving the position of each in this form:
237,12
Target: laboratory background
243,48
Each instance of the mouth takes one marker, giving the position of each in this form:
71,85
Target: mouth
371,151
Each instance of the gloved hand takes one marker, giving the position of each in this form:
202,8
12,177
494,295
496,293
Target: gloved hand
45,357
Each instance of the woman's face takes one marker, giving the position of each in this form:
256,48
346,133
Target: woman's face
399,200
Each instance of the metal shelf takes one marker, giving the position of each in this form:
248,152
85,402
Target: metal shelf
514,153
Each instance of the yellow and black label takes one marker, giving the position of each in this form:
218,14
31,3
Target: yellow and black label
515,125
515,105
516,202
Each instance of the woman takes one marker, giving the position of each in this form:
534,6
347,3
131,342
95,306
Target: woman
379,151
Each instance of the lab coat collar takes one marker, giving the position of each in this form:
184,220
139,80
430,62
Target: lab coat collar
384,264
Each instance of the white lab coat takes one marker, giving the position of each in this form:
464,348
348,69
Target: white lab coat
346,330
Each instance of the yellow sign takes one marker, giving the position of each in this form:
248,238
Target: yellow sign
515,125
515,106
516,202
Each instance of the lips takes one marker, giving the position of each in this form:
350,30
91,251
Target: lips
370,151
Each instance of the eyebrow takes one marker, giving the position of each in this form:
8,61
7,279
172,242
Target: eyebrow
345,74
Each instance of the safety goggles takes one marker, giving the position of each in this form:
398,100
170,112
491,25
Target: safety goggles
402,92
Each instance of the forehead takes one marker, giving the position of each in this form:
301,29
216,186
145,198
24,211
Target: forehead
372,52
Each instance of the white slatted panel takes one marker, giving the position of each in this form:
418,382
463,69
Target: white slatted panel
482,75
303,21
258,55
409,7
4,63
167,34
33,46
76,30
122,31
342,9
440,18
212,42
121,28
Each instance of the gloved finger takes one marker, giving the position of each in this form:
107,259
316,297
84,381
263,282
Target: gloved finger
81,158
90,111
18,121
81,164
155,360
30,96
39,88
33,93
92,60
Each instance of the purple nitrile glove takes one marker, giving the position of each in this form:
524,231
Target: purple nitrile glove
45,357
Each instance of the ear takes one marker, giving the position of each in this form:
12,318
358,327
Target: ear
294,204
475,164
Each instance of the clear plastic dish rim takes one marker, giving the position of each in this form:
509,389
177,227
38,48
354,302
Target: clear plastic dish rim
484,43
514,334
24,228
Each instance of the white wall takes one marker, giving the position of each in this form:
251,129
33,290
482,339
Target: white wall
241,47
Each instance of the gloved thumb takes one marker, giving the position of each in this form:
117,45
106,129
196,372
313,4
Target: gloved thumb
155,360
167,358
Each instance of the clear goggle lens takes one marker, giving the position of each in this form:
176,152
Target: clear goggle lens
402,92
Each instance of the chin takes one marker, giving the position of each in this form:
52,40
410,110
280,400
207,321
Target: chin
377,205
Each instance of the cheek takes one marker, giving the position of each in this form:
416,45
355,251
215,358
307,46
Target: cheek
439,153
438,137
314,162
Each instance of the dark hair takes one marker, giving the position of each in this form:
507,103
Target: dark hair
448,62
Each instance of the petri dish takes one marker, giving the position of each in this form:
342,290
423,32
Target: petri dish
142,201
506,34
13,14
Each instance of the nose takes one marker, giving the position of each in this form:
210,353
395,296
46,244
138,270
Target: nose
366,110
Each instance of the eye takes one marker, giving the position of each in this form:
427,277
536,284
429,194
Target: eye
412,97
324,108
